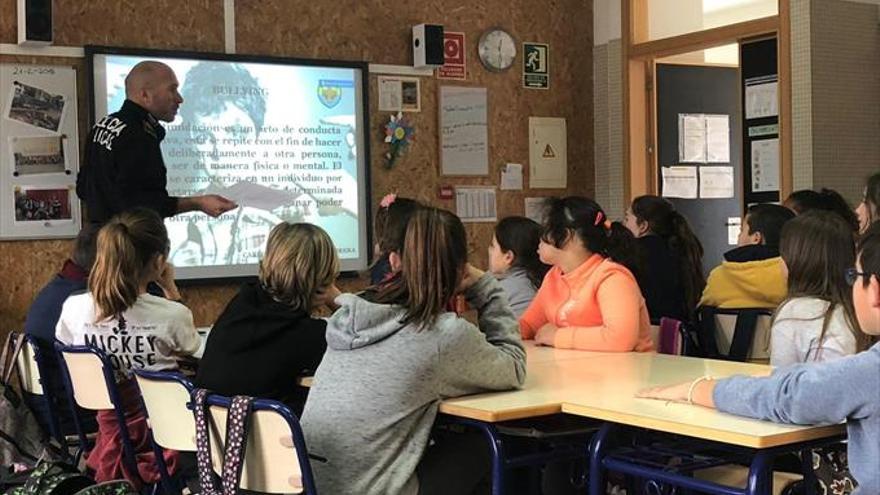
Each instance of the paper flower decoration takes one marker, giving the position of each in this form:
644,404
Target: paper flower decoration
398,133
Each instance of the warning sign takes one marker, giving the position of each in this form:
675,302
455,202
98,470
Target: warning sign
536,65
548,152
455,60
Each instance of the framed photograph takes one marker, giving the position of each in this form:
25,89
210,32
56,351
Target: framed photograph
411,97
42,204
33,155
36,107
399,94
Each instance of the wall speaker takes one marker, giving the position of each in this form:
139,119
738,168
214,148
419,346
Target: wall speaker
427,46
34,22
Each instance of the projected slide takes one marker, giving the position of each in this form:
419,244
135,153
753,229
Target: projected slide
280,140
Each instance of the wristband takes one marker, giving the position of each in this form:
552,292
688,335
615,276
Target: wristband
690,396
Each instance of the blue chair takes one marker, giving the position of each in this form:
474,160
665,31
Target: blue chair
166,399
276,459
84,368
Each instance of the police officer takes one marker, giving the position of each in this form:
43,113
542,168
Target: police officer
123,165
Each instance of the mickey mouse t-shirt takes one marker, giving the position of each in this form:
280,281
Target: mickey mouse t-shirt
150,335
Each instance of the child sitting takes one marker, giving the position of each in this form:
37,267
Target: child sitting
394,354
513,259
589,299
266,336
845,389
671,278
816,322
751,274
132,252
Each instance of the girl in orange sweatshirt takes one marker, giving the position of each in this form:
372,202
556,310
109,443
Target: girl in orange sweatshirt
590,299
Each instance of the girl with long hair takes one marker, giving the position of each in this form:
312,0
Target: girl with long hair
672,270
136,330
393,353
817,320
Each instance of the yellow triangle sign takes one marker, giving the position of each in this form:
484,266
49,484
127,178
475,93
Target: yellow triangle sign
548,152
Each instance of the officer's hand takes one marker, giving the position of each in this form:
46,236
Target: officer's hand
215,205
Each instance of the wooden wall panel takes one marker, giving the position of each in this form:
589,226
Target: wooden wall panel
376,31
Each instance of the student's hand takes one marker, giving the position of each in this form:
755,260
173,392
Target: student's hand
471,275
546,335
699,391
215,205
326,297
674,393
167,284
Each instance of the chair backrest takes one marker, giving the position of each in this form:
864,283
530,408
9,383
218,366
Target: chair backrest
736,334
87,374
670,337
165,397
91,384
28,369
759,350
276,460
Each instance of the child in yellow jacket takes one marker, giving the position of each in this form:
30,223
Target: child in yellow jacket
751,275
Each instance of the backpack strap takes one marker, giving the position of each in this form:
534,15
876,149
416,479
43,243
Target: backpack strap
203,444
237,422
8,363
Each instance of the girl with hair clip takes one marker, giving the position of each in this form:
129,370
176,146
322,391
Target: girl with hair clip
672,271
842,390
266,337
389,228
513,259
393,353
868,210
817,320
137,330
590,299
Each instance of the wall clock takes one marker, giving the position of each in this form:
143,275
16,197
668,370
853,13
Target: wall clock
497,49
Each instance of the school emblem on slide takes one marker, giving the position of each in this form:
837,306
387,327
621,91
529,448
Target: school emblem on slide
329,92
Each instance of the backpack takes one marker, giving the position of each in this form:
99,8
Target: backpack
21,438
49,478
237,422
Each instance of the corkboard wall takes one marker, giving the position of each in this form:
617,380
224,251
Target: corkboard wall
376,31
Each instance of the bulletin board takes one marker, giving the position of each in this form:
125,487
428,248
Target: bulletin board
39,161
760,95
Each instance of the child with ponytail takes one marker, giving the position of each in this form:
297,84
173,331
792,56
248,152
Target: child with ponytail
672,276
135,329
590,299
394,353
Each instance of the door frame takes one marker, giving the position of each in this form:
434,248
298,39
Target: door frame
639,102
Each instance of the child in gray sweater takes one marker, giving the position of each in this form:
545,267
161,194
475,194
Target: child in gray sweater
846,389
513,259
394,353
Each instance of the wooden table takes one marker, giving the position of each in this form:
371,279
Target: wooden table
602,386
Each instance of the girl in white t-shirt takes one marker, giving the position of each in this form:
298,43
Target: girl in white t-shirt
137,330
816,321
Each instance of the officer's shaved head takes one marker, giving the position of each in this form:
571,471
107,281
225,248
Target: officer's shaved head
145,75
153,85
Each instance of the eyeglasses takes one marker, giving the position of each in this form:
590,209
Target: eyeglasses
851,275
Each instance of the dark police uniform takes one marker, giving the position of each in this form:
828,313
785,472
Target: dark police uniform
123,166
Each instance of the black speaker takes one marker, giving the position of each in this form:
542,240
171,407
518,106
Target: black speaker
34,22
427,46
